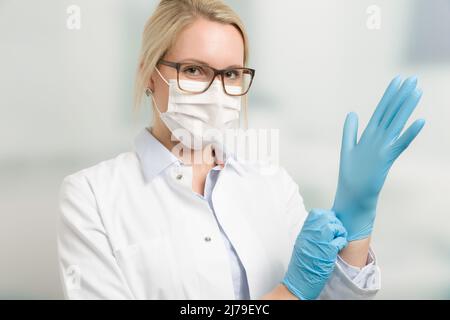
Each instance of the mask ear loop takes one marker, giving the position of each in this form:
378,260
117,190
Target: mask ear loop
157,70
149,92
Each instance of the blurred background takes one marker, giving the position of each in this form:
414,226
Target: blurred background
66,104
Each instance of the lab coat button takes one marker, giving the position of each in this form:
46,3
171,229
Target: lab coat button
207,239
179,176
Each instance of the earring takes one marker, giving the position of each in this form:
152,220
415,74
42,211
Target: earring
148,92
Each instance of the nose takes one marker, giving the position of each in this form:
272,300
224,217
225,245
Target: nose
217,80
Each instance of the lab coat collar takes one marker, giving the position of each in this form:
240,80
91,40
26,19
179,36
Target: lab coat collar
155,157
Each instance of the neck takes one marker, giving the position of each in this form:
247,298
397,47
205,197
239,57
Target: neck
202,157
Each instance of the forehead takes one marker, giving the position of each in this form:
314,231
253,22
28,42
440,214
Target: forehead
217,44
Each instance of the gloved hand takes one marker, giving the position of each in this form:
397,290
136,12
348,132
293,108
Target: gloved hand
314,255
365,165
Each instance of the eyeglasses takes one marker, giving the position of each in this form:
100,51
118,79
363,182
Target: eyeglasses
235,81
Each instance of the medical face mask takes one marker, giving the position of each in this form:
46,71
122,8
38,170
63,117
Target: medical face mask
200,119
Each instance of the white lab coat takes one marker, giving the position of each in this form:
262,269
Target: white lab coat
124,236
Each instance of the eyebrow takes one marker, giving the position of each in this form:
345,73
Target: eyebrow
204,63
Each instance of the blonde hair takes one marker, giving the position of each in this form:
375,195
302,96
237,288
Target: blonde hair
163,27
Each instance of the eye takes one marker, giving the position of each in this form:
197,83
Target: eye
193,70
232,74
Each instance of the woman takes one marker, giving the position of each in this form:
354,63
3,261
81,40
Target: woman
155,224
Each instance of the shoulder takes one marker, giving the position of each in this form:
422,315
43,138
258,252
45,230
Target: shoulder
109,172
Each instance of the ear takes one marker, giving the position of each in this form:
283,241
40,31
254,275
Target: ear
151,82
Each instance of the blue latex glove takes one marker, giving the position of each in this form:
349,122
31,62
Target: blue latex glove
365,165
315,253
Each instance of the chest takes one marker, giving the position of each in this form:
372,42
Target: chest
168,244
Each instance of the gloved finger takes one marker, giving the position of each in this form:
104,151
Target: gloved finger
406,89
350,132
314,214
332,214
406,138
339,243
403,114
390,92
338,229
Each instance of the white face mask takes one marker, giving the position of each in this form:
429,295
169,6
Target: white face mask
199,119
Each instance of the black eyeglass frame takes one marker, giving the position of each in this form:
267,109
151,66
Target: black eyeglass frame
177,65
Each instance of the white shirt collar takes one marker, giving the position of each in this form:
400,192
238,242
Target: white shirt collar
155,157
